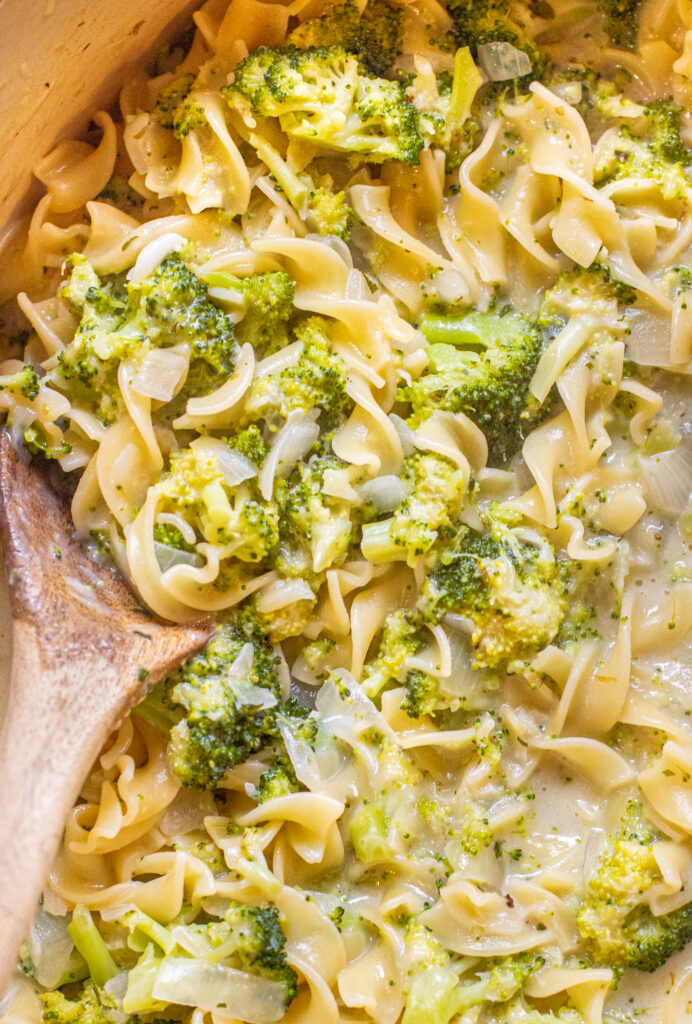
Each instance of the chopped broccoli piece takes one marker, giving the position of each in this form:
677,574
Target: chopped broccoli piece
278,780
36,442
261,944
329,213
220,514
88,1008
169,306
25,382
170,98
665,122
250,443
402,637
373,36
323,96
317,530
422,694
491,21
617,926
508,587
317,380
219,706
437,488
621,21
480,364
267,304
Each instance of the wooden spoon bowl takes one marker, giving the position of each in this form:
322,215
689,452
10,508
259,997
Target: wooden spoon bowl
84,653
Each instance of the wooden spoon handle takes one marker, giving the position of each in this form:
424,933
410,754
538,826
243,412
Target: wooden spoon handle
45,754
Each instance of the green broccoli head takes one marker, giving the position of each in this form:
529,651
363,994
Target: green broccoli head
171,305
422,694
277,781
261,944
323,96
509,588
436,489
25,382
316,381
373,36
615,922
266,302
90,1007
194,486
317,529
219,706
402,637
329,213
480,364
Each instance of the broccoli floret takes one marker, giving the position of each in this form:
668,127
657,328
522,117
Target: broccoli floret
374,37
164,533
509,588
194,485
480,364
317,529
617,926
219,706
25,382
266,301
329,213
584,290
322,95
422,693
436,496
317,380
277,781
88,1008
651,147
169,306
36,442
250,443
170,98
621,21
491,21
402,637
261,944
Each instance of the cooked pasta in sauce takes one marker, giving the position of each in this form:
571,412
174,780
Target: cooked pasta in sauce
364,329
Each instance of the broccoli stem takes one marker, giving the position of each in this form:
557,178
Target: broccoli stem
297,193
378,546
449,330
90,944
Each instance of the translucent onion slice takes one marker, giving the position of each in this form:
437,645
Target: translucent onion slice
648,342
668,478
292,442
168,556
281,593
153,254
406,435
214,988
235,468
502,61
51,948
385,492
160,374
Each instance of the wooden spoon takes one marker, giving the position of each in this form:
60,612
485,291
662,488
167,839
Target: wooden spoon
83,649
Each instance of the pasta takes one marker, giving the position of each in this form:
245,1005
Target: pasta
364,329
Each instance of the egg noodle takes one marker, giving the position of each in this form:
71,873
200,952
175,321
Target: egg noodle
252,324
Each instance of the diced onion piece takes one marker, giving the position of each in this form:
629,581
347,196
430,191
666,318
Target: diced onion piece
406,435
160,374
279,361
214,988
450,285
292,442
51,948
502,61
357,287
239,678
235,468
668,478
648,342
571,92
153,254
167,556
281,593
385,492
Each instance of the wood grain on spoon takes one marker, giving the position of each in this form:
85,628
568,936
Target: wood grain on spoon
82,647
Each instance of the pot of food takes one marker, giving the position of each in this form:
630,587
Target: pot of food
358,336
